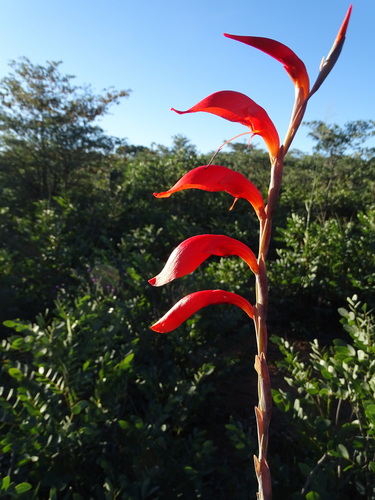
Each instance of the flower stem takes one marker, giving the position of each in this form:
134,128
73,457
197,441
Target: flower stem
264,409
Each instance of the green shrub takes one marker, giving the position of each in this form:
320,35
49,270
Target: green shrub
94,405
332,409
319,263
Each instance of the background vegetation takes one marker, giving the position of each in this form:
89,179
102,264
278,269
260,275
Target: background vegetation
95,405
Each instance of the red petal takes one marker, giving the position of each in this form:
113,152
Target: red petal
292,63
192,252
237,107
190,304
217,178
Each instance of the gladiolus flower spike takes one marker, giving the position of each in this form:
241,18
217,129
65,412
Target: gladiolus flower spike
190,304
219,178
192,252
237,107
189,254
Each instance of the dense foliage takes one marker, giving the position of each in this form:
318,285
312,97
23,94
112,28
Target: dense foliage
332,408
95,405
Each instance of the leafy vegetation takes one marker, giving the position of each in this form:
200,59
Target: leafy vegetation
332,409
95,405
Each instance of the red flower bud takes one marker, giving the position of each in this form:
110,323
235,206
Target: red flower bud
328,63
342,31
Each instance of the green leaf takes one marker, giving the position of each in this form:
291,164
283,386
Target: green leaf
85,366
23,487
18,327
326,374
343,451
124,424
349,467
125,364
5,483
78,407
15,373
344,351
32,410
313,495
17,343
370,410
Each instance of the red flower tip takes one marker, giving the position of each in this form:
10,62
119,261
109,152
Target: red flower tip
342,31
192,252
328,63
295,68
218,178
190,304
237,107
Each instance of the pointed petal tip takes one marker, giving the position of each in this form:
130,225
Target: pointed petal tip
229,35
163,194
155,328
342,31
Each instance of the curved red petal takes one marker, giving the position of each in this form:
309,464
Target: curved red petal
218,178
192,252
294,66
237,107
190,304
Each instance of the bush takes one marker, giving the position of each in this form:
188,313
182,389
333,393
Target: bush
94,405
332,412
319,263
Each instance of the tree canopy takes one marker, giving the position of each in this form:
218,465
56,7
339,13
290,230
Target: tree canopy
333,140
48,131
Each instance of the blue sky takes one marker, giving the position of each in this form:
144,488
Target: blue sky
173,54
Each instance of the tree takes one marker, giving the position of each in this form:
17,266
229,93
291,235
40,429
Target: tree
333,140
48,135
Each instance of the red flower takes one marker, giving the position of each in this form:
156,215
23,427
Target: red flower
192,252
292,63
237,107
218,178
190,304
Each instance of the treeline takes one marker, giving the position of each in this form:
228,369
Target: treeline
95,405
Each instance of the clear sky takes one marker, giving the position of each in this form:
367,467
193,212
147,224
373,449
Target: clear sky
173,54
